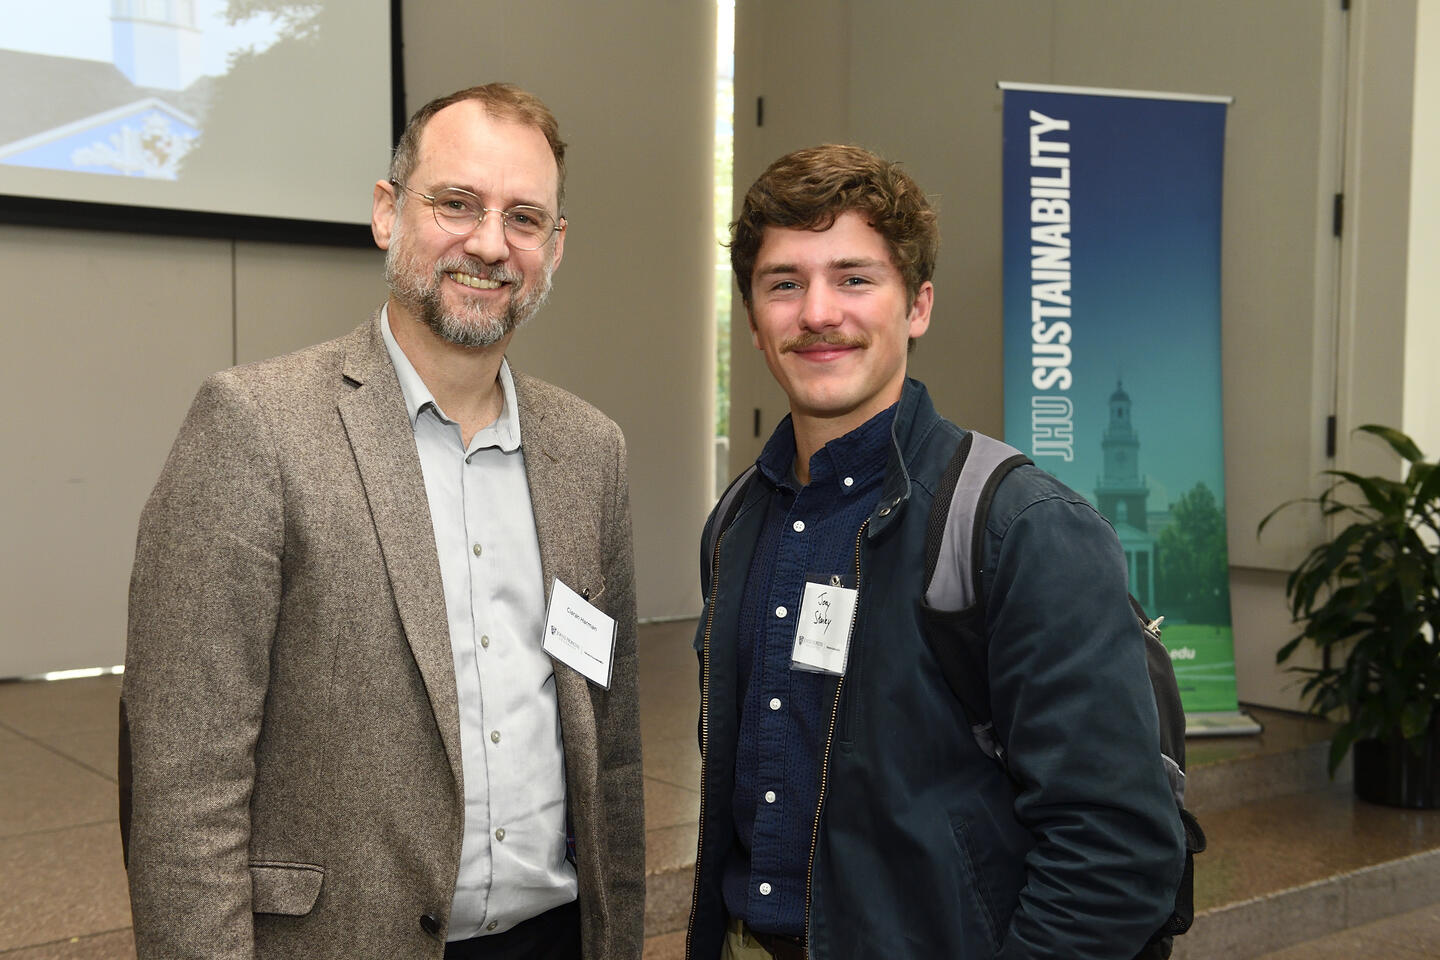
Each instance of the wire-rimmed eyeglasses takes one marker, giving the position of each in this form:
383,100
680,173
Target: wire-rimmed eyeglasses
459,212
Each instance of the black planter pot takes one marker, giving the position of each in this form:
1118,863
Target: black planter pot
1390,772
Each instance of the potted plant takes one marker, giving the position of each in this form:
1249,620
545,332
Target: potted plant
1369,598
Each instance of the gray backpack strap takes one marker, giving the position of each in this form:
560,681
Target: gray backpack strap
954,538
953,541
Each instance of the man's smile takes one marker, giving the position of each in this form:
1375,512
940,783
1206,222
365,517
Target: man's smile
478,283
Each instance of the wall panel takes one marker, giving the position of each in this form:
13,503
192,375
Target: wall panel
106,340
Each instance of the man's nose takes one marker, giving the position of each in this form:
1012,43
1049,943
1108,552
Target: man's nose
820,309
487,240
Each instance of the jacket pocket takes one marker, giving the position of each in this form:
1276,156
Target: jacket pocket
289,889
974,885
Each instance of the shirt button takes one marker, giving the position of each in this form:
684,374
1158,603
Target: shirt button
765,889
799,526
485,640
769,796
884,511
774,703
500,833
476,549
492,924
849,481
494,736
780,612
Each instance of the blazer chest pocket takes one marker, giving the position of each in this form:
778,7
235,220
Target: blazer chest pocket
289,889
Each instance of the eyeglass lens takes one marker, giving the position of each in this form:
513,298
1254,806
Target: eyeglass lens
526,227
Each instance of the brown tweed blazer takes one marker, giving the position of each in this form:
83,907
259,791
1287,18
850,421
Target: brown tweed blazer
291,737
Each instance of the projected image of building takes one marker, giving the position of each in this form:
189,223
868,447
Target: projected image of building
134,106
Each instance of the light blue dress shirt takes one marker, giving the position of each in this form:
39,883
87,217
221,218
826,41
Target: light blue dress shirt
513,862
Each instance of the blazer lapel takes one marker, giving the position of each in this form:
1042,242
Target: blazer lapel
373,412
548,472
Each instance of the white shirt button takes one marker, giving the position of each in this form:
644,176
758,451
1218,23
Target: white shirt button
765,889
500,833
799,526
769,796
492,924
849,481
774,703
780,612
494,736
476,549
485,640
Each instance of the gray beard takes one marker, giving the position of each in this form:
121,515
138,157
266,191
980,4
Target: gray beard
474,327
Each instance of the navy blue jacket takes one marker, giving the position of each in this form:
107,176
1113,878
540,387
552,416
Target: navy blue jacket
923,846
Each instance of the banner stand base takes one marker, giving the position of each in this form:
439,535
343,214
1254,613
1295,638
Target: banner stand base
1222,723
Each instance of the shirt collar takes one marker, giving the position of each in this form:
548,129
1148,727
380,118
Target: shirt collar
859,456
503,433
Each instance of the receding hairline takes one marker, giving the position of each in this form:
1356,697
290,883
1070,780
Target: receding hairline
497,117
504,101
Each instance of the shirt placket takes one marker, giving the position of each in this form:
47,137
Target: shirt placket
777,735
482,563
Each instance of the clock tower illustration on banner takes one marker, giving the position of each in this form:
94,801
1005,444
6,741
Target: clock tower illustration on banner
1121,494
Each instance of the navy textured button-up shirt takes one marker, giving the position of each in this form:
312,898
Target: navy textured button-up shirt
809,534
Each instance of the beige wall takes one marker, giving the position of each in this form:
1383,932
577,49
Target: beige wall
110,334
1422,328
630,325
1310,324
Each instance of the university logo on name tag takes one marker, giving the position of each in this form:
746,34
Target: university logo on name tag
579,635
822,633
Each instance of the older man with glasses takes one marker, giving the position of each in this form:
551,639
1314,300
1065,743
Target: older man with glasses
348,727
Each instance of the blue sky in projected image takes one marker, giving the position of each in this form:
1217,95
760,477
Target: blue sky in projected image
85,35
117,87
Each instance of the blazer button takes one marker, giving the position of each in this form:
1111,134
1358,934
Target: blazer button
430,924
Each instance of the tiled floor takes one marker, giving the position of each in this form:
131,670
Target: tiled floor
62,885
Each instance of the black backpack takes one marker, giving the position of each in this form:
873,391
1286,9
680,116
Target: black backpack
955,527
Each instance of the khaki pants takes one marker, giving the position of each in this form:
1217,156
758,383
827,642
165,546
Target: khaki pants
739,945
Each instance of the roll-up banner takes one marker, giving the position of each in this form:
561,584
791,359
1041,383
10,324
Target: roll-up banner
1112,346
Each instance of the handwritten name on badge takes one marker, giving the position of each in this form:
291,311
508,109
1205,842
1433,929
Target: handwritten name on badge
822,633
579,635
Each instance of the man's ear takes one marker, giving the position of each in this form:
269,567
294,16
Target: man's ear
754,333
383,211
918,316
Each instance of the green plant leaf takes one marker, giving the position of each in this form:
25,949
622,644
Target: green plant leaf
1415,718
1410,576
1427,479
1384,495
1285,652
1260,528
1398,441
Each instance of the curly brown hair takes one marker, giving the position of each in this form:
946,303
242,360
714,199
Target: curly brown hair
809,188
503,101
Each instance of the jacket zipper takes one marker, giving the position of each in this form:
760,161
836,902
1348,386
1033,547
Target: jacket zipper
704,734
829,739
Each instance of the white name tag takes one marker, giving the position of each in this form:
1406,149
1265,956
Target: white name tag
579,635
822,635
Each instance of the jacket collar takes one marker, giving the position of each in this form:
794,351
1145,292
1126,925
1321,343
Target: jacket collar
915,418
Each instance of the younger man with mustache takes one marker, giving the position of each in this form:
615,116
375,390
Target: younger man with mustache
847,811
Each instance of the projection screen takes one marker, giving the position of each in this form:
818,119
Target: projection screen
260,119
